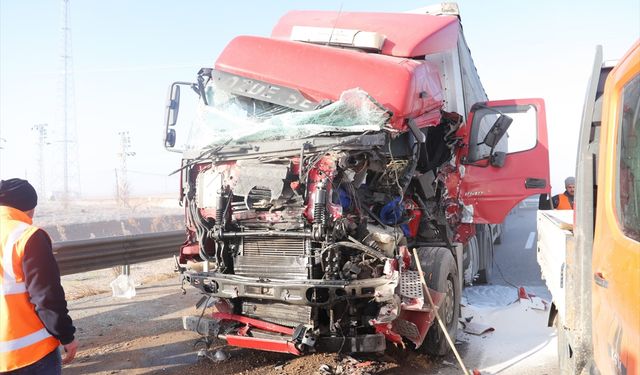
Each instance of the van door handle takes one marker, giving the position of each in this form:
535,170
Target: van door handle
600,280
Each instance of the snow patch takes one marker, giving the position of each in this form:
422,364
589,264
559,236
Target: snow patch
485,296
521,343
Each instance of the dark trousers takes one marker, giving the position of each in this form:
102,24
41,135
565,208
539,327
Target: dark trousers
50,364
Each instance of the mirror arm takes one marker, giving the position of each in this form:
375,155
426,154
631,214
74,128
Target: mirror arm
199,86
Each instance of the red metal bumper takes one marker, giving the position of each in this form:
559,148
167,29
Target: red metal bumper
260,324
280,346
243,341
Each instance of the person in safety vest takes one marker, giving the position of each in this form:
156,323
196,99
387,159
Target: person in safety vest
34,319
564,201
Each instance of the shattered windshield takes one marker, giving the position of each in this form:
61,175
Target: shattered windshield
232,119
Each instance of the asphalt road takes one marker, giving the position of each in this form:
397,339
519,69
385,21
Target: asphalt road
515,260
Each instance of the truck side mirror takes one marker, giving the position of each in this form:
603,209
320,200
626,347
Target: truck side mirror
171,115
173,105
497,131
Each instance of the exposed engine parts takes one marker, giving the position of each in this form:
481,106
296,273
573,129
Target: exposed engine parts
311,240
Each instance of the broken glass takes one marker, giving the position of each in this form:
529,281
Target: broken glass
232,119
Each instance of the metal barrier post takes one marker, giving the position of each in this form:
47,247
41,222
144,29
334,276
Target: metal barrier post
126,270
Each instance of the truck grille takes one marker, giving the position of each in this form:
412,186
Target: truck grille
258,246
273,257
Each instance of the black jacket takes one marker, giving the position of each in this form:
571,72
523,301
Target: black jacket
42,279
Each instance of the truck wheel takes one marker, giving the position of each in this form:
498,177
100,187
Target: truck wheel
441,274
485,243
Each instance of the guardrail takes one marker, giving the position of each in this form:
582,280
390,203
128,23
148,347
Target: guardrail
99,253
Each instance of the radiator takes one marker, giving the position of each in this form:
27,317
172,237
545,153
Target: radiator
273,257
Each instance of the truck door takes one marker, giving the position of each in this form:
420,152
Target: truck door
504,159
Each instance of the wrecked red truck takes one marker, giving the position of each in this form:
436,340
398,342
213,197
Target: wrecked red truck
319,157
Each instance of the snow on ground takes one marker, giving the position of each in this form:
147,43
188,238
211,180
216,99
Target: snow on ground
521,343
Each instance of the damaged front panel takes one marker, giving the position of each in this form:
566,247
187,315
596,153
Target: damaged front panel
312,235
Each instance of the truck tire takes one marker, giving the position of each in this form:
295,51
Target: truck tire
485,243
441,274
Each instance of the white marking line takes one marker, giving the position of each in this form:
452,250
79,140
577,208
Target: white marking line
529,244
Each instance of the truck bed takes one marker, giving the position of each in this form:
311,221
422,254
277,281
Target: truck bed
555,236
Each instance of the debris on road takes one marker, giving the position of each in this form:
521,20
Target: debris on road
123,287
476,328
351,366
219,355
531,300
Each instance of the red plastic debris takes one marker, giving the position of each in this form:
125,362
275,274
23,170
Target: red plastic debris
522,294
386,330
364,364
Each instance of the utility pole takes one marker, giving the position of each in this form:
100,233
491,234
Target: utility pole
122,181
70,185
41,130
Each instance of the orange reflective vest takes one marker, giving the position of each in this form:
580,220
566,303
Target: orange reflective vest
23,338
564,203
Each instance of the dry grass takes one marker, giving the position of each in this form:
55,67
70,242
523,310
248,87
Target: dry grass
116,271
81,291
158,277
97,282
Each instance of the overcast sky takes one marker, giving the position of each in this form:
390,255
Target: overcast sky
125,55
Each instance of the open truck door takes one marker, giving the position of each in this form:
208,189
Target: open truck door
505,158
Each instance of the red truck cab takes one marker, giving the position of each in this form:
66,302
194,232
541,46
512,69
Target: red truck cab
320,155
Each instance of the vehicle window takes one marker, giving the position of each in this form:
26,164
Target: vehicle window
628,197
521,136
233,119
